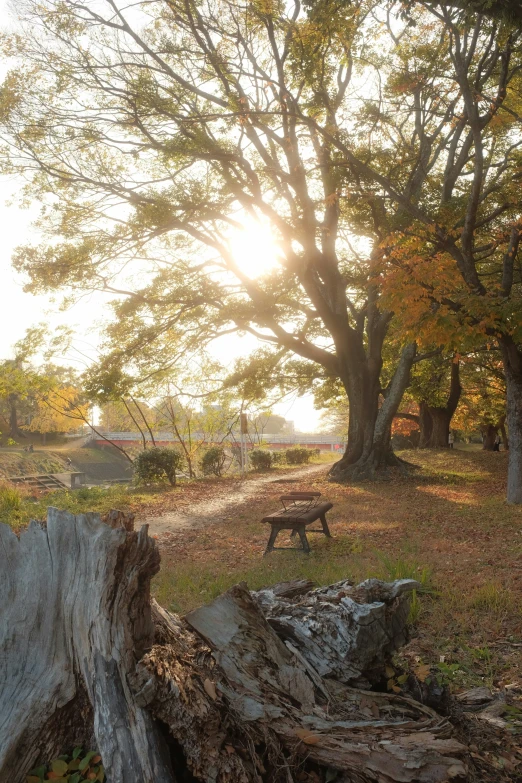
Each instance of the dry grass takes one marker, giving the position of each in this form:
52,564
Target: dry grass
448,526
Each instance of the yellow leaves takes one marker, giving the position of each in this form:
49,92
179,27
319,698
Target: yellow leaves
59,410
422,672
331,199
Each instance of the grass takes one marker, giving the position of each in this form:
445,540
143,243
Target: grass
18,507
11,504
447,526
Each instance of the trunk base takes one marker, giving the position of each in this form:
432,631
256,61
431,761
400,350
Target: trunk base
374,467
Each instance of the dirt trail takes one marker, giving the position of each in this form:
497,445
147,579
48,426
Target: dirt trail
218,507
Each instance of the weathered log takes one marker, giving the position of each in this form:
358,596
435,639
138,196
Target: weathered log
218,697
74,619
344,631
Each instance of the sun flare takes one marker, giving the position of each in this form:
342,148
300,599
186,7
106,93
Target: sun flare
254,249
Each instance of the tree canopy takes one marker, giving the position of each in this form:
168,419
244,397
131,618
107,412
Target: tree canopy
379,149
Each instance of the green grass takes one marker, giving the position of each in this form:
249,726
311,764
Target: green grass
183,586
18,508
188,585
11,505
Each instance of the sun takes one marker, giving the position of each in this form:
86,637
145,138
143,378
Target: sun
254,249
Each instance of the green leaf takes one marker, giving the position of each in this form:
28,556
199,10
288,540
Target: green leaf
75,778
59,766
84,763
39,772
74,765
76,752
101,774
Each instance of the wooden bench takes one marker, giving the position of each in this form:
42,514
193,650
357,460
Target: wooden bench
303,509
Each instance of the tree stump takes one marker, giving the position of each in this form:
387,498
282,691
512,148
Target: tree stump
218,696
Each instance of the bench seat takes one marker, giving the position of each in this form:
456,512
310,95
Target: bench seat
296,518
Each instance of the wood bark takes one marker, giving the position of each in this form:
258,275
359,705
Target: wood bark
435,420
218,697
489,433
75,619
512,360
369,434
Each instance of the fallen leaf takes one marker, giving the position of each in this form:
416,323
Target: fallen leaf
307,737
210,689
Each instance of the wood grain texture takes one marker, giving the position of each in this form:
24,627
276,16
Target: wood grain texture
74,618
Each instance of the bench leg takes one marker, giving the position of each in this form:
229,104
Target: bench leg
326,529
271,541
304,540
293,533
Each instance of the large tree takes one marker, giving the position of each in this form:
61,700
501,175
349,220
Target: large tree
445,146
150,135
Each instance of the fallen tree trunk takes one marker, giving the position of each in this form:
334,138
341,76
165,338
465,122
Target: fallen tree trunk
216,697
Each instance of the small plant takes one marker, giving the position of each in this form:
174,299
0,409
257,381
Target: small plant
10,504
153,466
492,597
10,442
398,568
213,461
415,608
76,768
298,456
261,459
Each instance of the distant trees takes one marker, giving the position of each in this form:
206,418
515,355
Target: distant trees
38,398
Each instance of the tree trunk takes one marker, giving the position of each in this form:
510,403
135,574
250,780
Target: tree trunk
220,698
425,425
75,614
440,426
512,360
502,428
489,434
14,429
435,420
369,435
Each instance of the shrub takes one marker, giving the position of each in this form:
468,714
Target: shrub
261,459
76,768
298,456
278,457
213,461
153,466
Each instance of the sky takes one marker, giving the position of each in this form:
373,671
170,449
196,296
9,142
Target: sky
20,310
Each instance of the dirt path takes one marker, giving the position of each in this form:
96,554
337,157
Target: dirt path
223,503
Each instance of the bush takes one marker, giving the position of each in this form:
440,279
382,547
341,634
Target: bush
153,466
278,457
261,459
298,456
213,461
